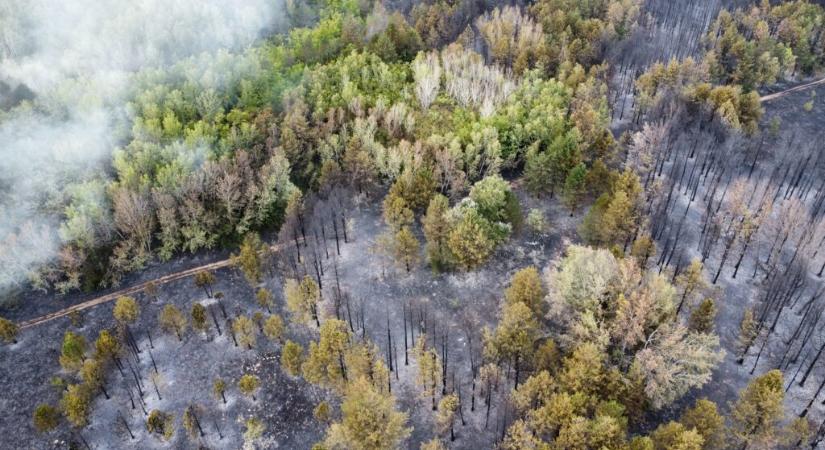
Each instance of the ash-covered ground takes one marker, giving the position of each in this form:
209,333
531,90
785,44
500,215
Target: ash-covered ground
188,368
804,128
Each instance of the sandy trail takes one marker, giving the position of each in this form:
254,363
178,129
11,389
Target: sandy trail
801,87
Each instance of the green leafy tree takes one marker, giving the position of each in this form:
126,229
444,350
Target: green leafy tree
583,370
619,218
592,229
199,320
73,351
107,347
703,317
8,331
369,420
602,431
416,187
469,241
757,415
537,170
254,430
614,216
45,418
58,383
691,282
397,212
274,328
219,389
264,298
808,106
94,375
513,338
172,321
384,247
799,432
547,356
749,51
643,248
248,385
747,333
704,417
526,287
641,443
433,444
204,279
190,422
302,299
406,248
249,258
535,391
445,419
292,357
161,424
322,412
436,231
325,362
536,221
429,374
564,157
245,331
584,26
76,404
674,435
126,310
496,202
575,187
729,104
513,39
520,436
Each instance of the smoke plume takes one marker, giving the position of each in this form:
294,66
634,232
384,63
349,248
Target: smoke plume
66,70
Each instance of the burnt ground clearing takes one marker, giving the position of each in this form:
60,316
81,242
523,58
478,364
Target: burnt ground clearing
188,368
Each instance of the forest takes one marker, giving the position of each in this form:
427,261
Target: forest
352,224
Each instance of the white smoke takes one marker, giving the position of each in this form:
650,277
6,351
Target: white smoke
78,59
62,39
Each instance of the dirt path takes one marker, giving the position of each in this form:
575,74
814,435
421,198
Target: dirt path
801,87
129,291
